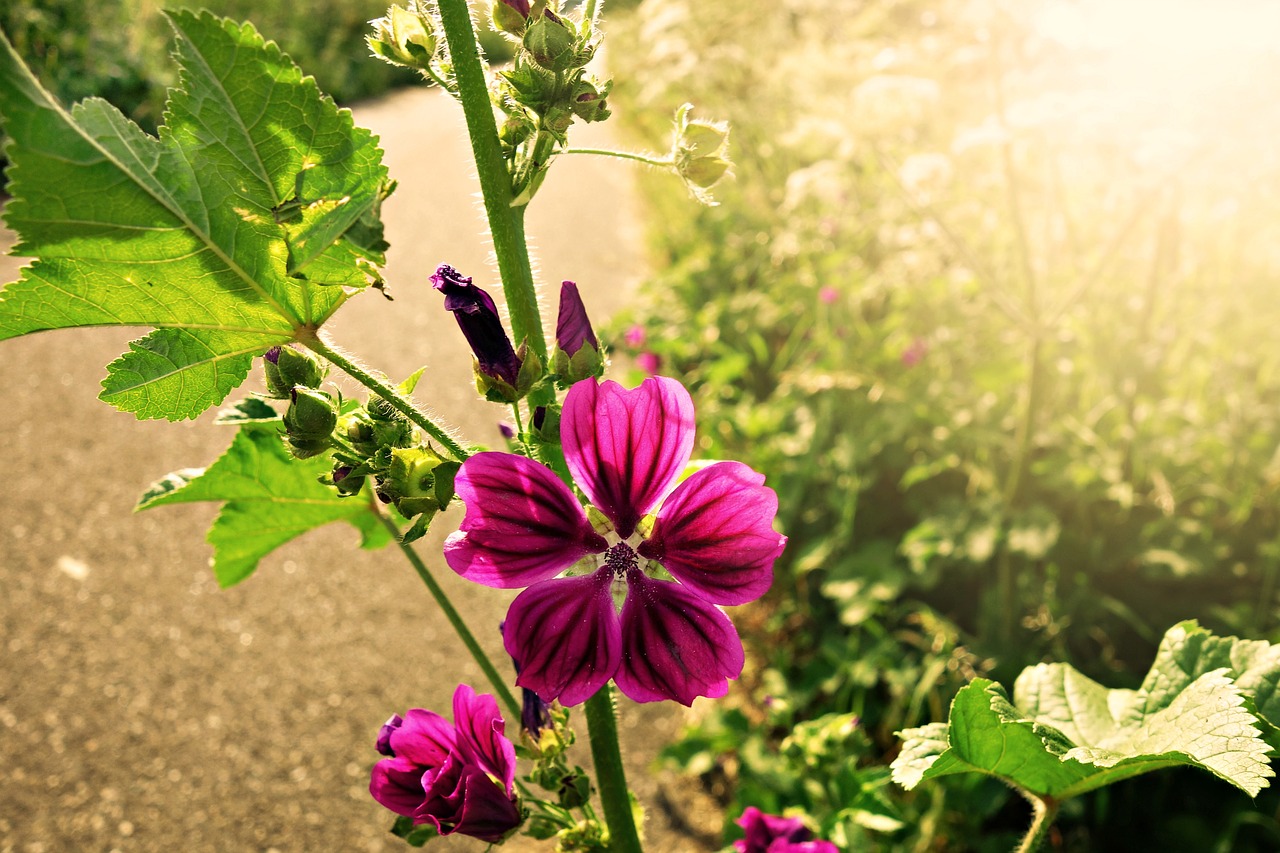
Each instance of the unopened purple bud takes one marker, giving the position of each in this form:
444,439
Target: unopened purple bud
478,318
273,355
341,472
539,416
507,430
520,6
573,328
535,715
384,734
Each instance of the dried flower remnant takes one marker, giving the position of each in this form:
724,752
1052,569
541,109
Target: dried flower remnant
711,543
458,777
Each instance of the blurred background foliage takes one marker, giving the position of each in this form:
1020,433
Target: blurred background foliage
992,303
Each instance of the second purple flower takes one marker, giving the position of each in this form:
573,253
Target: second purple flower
711,543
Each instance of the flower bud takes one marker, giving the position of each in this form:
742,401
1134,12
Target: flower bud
551,42
509,16
345,481
477,316
577,354
588,101
286,367
403,38
309,422
410,482
701,153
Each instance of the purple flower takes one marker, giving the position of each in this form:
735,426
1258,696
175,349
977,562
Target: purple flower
914,354
519,6
635,336
649,362
573,329
828,295
458,776
478,318
713,535
768,833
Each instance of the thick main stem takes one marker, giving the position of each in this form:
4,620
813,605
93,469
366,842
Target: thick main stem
611,778
506,223
1044,811
388,392
455,619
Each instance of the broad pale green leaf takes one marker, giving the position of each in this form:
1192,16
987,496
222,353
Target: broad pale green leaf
247,223
250,410
269,498
1065,734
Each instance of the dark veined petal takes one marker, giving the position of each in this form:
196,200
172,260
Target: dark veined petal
396,783
481,734
626,448
425,738
522,524
565,634
715,534
675,645
462,798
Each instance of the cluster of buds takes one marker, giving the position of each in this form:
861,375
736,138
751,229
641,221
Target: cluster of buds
700,153
309,422
381,446
546,89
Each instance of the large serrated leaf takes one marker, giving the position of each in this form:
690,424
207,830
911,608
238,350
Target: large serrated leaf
185,232
1064,734
269,498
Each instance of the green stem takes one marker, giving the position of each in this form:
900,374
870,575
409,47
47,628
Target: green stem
506,223
592,11
455,619
662,162
1044,810
388,392
611,778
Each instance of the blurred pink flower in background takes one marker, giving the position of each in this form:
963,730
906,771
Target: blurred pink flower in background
914,354
649,362
828,295
635,336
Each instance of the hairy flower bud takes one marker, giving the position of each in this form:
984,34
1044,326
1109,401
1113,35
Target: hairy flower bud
509,16
410,482
701,153
309,422
286,367
588,101
478,318
551,42
403,37
577,354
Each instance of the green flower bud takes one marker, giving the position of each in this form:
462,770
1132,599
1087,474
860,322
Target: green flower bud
345,480
287,368
403,38
558,118
509,16
701,153
704,172
410,482
551,43
704,138
309,422
588,102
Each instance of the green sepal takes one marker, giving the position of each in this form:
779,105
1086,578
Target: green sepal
250,410
292,368
551,42
415,835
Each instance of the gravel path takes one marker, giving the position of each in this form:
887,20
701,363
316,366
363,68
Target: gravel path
144,709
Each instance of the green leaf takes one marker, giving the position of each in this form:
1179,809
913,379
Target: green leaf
1065,734
416,835
185,233
250,410
269,498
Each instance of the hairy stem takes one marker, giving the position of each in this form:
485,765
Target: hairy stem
1044,810
662,162
455,619
506,223
611,778
386,391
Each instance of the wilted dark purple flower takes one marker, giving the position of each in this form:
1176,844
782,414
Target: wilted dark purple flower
768,833
573,329
713,534
459,776
478,318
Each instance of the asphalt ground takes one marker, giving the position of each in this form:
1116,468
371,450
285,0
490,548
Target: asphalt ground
144,709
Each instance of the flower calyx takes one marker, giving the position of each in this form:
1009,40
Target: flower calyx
700,153
405,37
287,368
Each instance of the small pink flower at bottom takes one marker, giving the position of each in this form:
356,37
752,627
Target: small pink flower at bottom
711,543
768,833
458,776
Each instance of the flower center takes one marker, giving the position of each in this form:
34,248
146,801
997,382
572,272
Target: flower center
621,559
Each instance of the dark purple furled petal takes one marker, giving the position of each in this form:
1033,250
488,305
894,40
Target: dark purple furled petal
384,734
565,634
424,737
481,735
522,524
478,318
396,783
626,448
715,534
573,329
675,645
521,6
463,799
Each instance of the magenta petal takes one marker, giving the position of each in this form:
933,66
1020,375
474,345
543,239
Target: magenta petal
565,634
481,734
715,534
522,524
626,448
396,783
424,738
675,645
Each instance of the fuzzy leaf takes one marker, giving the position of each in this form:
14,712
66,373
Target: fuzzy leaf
222,234
1065,734
269,498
